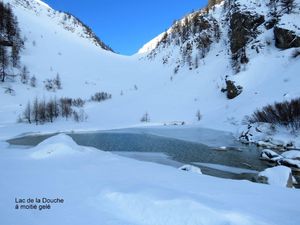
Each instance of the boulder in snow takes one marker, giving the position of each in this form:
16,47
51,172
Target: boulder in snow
190,168
292,163
286,38
270,155
277,176
293,154
232,89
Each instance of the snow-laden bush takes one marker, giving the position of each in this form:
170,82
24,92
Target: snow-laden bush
78,102
285,113
100,96
53,84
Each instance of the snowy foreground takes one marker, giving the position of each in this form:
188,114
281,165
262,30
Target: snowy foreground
96,187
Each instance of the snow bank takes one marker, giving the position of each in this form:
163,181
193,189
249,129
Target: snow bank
293,154
59,145
3,145
166,210
269,136
102,188
278,176
191,168
290,22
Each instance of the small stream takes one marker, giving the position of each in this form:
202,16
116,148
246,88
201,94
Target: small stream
226,158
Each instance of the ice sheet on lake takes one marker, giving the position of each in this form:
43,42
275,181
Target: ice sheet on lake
224,168
204,136
156,157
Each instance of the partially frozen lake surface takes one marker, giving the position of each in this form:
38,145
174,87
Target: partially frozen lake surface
216,153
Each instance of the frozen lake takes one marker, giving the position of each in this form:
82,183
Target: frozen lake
216,153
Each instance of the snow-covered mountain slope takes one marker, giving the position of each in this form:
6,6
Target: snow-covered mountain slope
147,82
237,41
84,69
151,45
62,19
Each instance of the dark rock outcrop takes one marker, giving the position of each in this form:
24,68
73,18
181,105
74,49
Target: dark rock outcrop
243,27
232,89
271,23
270,155
285,39
294,164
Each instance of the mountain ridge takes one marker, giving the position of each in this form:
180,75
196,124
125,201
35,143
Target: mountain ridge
64,19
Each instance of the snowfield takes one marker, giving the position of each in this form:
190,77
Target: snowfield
101,188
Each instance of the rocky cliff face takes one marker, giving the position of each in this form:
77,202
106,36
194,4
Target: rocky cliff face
191,38
239,25
237,31
243,29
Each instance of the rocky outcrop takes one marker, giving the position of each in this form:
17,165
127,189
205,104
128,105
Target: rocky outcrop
270,155
292,163
243,27
212,3
232,89
285,39
193,34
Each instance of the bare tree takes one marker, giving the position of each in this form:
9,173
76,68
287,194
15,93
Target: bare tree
50,110
42,111
196,62
56,108
288,5
4,62
273,6
145,118
66,109
27,112
35,111
57,82
199,115
33,81
24,75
